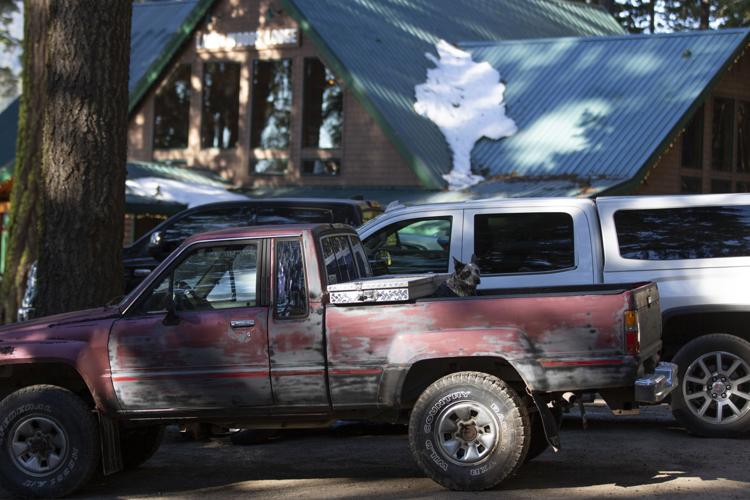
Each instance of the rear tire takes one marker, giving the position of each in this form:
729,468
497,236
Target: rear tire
49,442
469,431
138,444
713,399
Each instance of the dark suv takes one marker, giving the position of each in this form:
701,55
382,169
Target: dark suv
149,250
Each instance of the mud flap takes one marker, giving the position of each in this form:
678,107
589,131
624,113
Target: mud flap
109,437
549,423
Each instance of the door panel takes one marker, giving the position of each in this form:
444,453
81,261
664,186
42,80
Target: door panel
198,335
529,247
202,362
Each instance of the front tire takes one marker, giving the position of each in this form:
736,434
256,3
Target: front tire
469,431
49,442
713,399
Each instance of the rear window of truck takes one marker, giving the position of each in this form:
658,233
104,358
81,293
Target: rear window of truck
684,233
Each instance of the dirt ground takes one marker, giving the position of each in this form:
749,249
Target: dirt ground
625,457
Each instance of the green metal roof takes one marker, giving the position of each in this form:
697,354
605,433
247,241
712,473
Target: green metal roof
598,111
378,47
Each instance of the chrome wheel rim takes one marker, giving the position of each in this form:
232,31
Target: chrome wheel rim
716,388
38,445
467,432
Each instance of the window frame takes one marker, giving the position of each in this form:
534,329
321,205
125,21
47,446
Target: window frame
134,301
273,276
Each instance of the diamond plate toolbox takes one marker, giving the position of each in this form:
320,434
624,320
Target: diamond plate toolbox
385,289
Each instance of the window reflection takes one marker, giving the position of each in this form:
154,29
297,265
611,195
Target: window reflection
270,166
319,166
291,291
172,110
723,132
221,101
323,107
272,104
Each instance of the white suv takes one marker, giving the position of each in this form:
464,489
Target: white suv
696,247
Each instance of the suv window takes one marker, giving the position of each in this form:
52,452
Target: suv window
523,243
209,278
684,233
413,246
344,259
204,221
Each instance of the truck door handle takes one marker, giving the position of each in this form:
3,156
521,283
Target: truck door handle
242,323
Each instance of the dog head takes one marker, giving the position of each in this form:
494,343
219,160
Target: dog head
466,275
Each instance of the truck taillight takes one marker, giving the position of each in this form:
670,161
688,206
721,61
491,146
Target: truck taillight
632,334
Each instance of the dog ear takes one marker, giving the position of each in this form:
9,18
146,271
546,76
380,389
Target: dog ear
473,258
457,264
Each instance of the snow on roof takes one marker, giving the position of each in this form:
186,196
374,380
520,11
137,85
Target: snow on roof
190,194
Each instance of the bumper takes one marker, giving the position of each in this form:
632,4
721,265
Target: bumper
656,386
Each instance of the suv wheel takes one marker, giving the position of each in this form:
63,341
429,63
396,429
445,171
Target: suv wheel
713,399
469,431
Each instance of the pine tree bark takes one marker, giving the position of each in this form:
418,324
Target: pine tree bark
26,209
84,153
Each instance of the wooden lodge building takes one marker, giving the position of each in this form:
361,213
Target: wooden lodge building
315,98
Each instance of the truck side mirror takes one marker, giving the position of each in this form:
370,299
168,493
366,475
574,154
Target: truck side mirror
156,245
171,318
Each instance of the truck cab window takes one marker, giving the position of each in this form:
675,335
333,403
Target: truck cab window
412,246
209,278
515,243
291,289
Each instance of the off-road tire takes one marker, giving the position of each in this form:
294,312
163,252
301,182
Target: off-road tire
504,408
539,442
138,444
685,358
77,421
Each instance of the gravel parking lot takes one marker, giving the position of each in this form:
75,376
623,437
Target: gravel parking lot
624,457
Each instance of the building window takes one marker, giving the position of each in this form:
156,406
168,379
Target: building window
221,103
723,134
271,104
692,141
743,137
323,103
172,110
721,186
270,166
319,166
691,185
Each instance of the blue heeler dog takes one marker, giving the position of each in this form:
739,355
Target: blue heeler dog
463,282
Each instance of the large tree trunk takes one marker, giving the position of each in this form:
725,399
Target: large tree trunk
652,16
84,154
26,206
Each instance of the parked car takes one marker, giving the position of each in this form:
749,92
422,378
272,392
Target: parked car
236,328
697,248
144,255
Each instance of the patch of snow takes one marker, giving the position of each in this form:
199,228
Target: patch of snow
464,99
191,195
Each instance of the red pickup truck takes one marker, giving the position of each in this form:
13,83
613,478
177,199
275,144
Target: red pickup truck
237,328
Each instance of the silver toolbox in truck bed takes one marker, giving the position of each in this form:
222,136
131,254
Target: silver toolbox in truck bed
385,289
